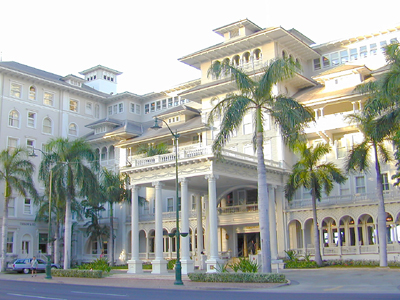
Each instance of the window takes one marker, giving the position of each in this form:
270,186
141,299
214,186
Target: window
16,90
48,99
13,119
73,105
353,54
73,129
12,143
103,154
89,108
335,58
317,64
360,185
247,124
30,144
11,207
169,102
193,202
146,109
373,49
10,242
234,33
341,148
120,108
27,206
176,101
394,41
31,119
47,126
110,110
152,106
325,62
97,111
344,56
385,181
170,204
115,109
164,104
344,189
158,105
32,93
132,108
138,109
383,46
363,51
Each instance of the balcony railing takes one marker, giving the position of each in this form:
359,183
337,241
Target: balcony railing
166,216
238,209
393,195
193,152
329,122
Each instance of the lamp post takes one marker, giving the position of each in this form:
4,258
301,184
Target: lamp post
48,265
178,267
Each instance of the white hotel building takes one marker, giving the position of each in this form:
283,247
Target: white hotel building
218,197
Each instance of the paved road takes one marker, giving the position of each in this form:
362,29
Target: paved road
14,290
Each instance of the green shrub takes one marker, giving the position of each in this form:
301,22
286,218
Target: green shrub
245,265
77,273
99,264
300,264
238,277
171,264
147,266
358,263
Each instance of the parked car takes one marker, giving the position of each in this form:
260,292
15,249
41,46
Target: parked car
24,265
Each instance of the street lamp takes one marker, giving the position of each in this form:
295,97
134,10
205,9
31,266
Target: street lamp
48,265
178,267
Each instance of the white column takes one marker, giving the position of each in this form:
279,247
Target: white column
207,233
186,262
159,264
199,214
213,258
123,233
135,264
272,222
321,110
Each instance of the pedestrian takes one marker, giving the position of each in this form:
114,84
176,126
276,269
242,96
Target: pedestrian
252,247
34,264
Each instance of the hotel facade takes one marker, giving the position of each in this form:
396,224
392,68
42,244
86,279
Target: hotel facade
218,197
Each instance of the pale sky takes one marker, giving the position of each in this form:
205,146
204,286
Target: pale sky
144,39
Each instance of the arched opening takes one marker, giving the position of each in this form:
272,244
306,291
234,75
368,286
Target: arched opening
295,235
257,54
366,230
165,240
347,231
103,156
246,57
111,152
236,60
151,241
284,55
330,233
390,229
309,234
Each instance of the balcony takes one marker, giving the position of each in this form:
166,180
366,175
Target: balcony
238,209
389,196
191,152
329,122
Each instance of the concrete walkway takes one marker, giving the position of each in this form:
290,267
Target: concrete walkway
326,280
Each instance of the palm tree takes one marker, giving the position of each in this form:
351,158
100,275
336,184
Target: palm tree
16,171
255,95
317,177
73,163
391,80
151,149
113,189
359,161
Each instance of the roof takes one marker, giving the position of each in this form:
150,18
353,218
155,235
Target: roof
320,93
123,130
101,68
242,23
108,121
181,108
57,79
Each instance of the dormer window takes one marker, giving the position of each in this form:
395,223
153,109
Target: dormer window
174,119
234,33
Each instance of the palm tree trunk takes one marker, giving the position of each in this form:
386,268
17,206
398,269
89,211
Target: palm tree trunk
111,260
381,213
67,233
4,236
57,242
263,207
318,258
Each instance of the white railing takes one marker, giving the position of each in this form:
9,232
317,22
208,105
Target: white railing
238,209
170,215
329,122
393,195
192,151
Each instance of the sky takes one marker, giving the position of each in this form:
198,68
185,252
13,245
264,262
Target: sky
144,39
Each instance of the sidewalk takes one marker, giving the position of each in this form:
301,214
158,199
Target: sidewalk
120,278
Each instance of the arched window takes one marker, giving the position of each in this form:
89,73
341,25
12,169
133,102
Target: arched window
73,129
284,55
257,54
246,57
236,60
13,119
47,126
103,154
97,153
32,93
111,153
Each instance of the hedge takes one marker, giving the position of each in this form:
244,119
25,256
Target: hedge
238,277
77,273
